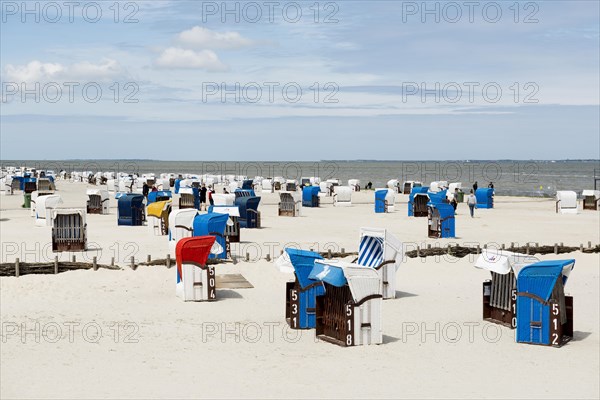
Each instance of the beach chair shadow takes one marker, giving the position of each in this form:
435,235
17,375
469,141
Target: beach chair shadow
400,294
228,294
580,336
389,339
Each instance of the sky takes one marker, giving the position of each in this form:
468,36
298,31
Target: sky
276,80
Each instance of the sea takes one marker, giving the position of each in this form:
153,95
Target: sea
509,177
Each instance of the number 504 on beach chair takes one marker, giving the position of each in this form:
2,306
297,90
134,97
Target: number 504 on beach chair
301,294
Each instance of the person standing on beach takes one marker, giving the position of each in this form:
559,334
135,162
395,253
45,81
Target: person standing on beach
475,187
203,196
472,202
210,193
145,190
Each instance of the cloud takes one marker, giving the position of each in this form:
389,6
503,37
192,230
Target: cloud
175,57
202,38
37,71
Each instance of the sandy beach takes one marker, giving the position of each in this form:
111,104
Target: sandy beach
124,333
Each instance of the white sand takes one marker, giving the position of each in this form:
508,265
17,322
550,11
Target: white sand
171,353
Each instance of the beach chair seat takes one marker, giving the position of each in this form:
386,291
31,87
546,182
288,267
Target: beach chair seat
300,294
289,204
69,229
349,312
544,312
181,225
382,251
196,281
158,217
441,221
499,292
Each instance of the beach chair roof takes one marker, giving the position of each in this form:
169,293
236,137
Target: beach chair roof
193,250
567,198
155,209
362,281
502,261
248,202
299,262
205,224
68,211
539,278
97,192
380,194
130,199
595,193
223,199
232,211
48,201
184,217
377,245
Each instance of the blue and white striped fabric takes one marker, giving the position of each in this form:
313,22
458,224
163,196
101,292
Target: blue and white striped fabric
370,251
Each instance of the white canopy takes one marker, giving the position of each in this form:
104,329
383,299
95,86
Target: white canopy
363,281
595,193
502,261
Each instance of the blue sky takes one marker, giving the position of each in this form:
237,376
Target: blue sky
369,80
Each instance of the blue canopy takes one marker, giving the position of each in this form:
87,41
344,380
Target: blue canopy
303,262
244,193
437,197
247,184
328,273
248,211
213,224
539,278
411,197
153,196
485,197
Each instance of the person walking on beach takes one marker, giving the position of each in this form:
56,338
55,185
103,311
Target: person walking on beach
491,185
472,202
475,187
203,196
210,198
145,190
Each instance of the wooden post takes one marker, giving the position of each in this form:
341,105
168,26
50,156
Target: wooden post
132,263
418,252
429,245
95,263
589,245
149,259
247,257
537,244
555,248
268,258
112,261
329,254
562,244
55,265
485,246
168,261
581,247
17,269
449,247
527,248
512,245
343,251
503,247
74,258
478,249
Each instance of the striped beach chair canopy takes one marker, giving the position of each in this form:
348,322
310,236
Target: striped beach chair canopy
376,246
